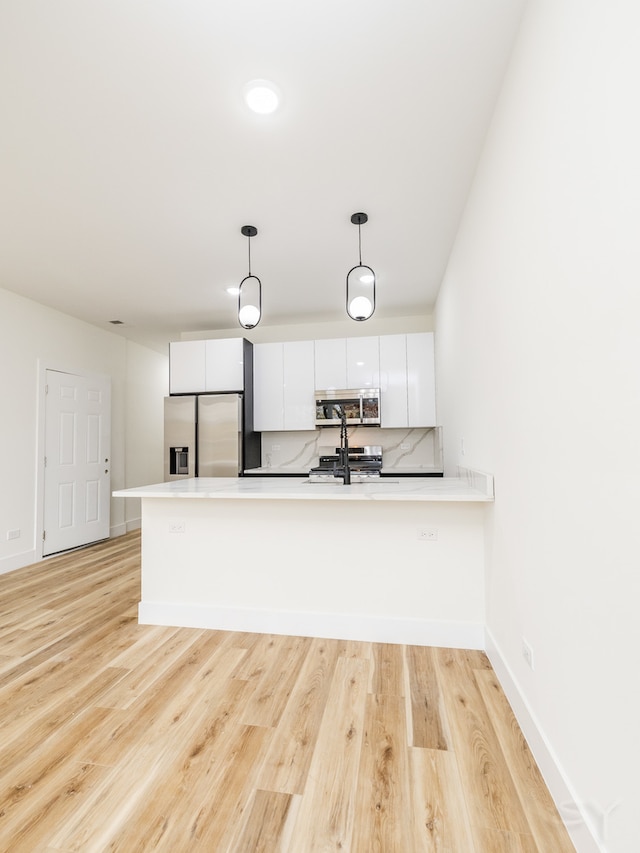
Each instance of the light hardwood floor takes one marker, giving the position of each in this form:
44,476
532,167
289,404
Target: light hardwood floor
119,736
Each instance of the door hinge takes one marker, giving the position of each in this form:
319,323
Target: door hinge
46,389
44,535
45,461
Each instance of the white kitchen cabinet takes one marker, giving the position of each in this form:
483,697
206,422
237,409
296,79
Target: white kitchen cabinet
421,380
268,387
187,367
330,363
299,385
347,363
407,380
283,381
212,365
394,409
363,362
224,364
287,374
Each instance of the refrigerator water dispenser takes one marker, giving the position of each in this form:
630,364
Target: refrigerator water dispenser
178,460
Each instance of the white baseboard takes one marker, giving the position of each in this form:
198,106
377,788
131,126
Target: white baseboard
124,527
338,626
578,822
27,558
17,561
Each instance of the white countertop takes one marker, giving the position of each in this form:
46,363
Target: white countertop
294,488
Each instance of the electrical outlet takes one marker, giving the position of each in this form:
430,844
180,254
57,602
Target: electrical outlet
275,447
13,534
177,526
527,652
428,534
405,446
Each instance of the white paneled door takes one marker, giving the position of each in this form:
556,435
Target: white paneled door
77,481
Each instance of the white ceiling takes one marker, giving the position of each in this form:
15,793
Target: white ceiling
129,162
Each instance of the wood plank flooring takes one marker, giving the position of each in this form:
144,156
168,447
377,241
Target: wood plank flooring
116,736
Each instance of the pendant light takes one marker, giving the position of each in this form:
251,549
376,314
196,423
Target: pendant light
250,291
361,281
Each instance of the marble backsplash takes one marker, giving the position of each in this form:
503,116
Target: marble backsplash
410,449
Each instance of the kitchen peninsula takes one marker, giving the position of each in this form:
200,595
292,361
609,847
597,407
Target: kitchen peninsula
393,561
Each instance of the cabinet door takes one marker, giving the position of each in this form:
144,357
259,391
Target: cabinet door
393,381
421,380
186,367
331,364
363,362
224,369
268,387
299,385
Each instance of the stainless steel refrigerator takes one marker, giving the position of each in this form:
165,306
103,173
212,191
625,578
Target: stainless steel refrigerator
208,435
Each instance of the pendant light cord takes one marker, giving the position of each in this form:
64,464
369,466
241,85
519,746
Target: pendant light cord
249,239
359,245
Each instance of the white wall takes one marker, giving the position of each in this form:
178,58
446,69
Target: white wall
33,335
147,386
538,361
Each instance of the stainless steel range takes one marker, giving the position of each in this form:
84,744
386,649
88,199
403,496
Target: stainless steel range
365,464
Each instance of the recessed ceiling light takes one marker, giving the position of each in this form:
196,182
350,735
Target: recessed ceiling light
262,97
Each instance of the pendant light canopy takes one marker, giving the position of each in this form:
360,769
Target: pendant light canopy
250,292
361,281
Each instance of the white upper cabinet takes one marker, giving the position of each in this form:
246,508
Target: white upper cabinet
298,373
407,380
224,365
283,380
347,363
331,364
394,410
421,380
196,366
287,374
363,362
186,367
268,387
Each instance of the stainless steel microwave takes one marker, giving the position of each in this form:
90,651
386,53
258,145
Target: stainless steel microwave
361,407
